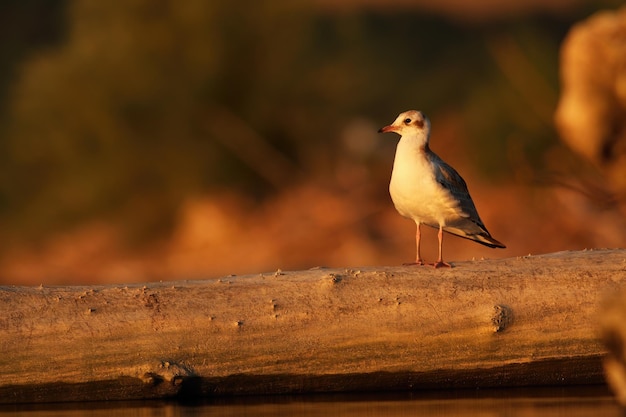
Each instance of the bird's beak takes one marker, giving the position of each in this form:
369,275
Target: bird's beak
386,129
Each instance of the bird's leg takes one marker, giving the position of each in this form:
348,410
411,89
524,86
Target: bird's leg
440,261
418,238
418,258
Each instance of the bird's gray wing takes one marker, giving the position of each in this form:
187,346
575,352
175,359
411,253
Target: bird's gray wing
468,225
456,186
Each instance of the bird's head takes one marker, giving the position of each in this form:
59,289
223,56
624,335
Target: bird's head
411,123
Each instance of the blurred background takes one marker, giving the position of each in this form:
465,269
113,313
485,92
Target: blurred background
156,140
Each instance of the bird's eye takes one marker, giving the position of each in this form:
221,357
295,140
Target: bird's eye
407,121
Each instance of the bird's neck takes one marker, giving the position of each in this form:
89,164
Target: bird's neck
416,143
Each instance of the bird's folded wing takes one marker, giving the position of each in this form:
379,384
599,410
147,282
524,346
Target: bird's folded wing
456,186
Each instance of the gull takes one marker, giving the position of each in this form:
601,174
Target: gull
428,191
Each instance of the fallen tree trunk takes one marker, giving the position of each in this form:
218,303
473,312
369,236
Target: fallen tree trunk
509,322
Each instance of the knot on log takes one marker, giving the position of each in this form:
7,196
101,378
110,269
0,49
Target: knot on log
169,372
502,317
334,278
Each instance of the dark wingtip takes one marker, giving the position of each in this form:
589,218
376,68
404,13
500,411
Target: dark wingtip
496,244
487,240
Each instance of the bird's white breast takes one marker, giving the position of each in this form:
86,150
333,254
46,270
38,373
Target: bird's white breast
414,189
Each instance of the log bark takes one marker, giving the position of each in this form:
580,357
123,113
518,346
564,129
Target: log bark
491,323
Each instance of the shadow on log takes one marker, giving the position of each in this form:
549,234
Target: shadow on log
512,322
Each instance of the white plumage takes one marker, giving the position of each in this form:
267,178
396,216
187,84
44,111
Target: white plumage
427,190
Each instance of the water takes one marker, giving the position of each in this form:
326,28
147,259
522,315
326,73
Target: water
570,402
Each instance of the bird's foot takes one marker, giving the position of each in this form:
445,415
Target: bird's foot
418,262
440,264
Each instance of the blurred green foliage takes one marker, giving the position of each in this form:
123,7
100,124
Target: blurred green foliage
134,105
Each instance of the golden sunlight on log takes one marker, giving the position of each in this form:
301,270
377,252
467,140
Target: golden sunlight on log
495,323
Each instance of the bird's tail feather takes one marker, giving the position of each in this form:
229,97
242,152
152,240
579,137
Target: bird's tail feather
484,238
487,240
